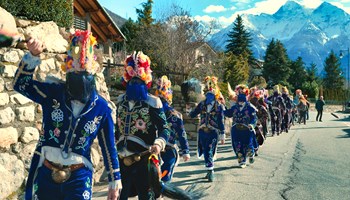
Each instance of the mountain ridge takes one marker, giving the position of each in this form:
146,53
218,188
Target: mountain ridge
308,33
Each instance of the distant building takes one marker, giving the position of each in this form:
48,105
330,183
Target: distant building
205,55
90,15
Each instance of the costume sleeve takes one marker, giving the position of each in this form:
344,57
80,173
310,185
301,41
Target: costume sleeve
182,137
253,117
159,119
24,83
109,152
117,133
196,111
221,120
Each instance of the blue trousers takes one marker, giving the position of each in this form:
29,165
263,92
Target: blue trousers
207,143
169,158
244,143
77,187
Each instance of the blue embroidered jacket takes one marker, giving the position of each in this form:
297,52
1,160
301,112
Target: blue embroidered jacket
139,128
177,130
61,129
214,120
246,116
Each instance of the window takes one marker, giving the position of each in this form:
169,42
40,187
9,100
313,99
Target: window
79,23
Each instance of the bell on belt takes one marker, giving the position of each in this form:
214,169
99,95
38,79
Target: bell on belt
60,175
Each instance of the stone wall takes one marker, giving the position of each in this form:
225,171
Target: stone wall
20,118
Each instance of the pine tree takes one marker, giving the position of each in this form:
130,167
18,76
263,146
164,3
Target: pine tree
239,40
236,69
311,86
312,73
333,77
276,64
145,14
298,75
130,30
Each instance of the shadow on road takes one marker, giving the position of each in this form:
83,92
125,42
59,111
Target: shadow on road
347,133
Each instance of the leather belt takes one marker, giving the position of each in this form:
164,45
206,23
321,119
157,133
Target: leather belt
55,166
241,127
61,173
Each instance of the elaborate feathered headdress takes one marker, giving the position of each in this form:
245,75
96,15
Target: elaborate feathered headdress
276,88
80,53
164,89
232,94
242,89
285,90
138,65
211,85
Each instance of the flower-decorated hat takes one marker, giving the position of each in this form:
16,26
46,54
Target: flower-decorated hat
285,90
138,65
80,53
276,88
242,89
164,89
211,85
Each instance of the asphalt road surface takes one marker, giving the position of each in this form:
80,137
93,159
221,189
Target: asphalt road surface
310,162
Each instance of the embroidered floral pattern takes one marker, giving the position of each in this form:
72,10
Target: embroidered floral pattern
139,120
86,194
87,183
89,128
57,115
140,124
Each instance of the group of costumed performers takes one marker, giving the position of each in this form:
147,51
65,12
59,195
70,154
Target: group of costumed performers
73,116
140,150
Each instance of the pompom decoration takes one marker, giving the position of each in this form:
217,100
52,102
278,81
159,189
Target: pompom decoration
138,65
211,85
80,53
164,89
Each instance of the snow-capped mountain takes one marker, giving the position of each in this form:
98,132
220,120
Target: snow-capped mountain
308,33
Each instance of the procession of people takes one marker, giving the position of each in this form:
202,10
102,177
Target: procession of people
143,147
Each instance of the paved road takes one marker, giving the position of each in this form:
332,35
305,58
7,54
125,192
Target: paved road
309,162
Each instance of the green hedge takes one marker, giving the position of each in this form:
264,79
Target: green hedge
59,11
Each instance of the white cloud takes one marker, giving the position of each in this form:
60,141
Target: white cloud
226,21
204,18
214,8
310,3
233,8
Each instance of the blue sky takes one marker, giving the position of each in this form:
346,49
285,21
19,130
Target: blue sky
224,11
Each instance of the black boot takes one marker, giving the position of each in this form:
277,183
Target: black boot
210,175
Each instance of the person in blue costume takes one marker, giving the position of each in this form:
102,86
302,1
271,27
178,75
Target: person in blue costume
242,132
211,126
141,127
277,111
286,122
73,116
177,131
244,120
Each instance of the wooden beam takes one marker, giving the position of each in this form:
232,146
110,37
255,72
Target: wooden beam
93,10
98,31
79,8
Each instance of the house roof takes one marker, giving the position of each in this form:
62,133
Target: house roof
102,24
